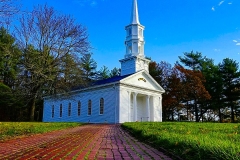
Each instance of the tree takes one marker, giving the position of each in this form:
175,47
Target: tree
9,58
231,84
115,72
163,72
7,9
47,39
214,85
71,75
174,94
155,71
192,60
160,72
88,66
193,82
103,73
6,101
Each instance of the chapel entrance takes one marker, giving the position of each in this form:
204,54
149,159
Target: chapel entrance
141,108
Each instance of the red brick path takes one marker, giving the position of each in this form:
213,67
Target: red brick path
101,142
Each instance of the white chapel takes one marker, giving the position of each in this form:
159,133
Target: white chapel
132,96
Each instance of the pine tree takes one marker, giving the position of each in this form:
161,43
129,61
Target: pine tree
9,58
229,70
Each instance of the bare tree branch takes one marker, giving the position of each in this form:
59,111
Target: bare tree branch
8,8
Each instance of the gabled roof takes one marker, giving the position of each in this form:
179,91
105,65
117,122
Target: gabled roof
147,80
117,79
101,82
127,79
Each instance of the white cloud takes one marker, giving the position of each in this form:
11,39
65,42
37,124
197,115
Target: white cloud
87,2
230,3
238,44
213,9
220,3
217,50
235,41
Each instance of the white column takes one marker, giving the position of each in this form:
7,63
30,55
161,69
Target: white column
148,107
160,107
154,108
135,106
129,106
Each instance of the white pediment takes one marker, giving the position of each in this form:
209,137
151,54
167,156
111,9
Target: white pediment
142,79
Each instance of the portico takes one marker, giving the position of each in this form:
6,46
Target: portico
141,107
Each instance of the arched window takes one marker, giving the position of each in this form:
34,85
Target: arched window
60,110
79,108
52,111
89,107
101,106
69,109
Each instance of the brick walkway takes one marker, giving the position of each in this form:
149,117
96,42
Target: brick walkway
101,142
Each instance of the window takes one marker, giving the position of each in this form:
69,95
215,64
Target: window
52,111
129,49
140,32
60,110
89,107
79,108
101,106
129,31
69,109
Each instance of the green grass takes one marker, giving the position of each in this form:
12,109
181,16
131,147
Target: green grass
12,129
191,140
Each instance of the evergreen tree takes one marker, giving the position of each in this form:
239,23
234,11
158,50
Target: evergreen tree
115,72
9,58
214,85
192,60
104,73
88,66
6,102
229,70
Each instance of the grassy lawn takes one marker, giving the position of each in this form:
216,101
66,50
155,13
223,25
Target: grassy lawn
190,140
11,129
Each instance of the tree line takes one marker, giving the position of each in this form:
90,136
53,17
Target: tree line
197,89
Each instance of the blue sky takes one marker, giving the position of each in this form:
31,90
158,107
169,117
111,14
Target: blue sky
171,27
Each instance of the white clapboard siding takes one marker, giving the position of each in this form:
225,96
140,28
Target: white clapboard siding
109,94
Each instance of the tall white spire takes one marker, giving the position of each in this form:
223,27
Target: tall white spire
134,59
135,17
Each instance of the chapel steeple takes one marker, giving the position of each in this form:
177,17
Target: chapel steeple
134,39
134,59
135,17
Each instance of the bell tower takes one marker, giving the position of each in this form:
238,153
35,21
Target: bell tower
134,59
